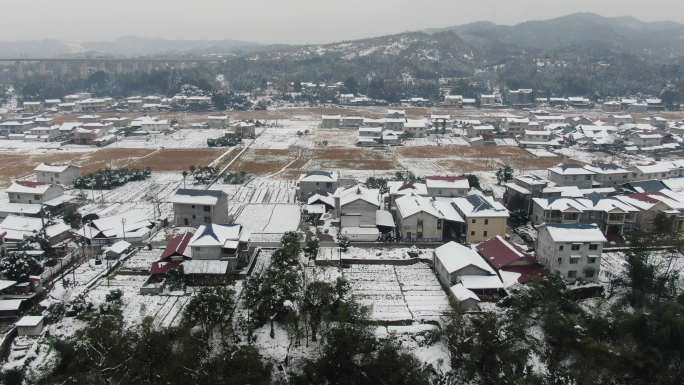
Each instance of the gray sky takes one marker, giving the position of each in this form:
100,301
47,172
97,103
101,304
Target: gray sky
288,21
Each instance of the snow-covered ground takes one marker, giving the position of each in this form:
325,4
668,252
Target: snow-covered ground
372,253
185,138
268,222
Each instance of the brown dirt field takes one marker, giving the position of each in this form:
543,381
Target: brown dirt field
354,158
263,161
177,159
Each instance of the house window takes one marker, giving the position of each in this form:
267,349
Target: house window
486,221
589,273
575,247
193,206
193,216
574,260
560,260
474,221
593,247
472,233
484,234
591,260
560,248
186,222
439,224
328,185
207,208
207,219
572,274
36,197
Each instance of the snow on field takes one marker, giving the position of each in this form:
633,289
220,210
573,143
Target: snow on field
398,293
260,190
614,264
285,135
273,219
365,254
422,167
186,138
137,195
166,310
141,261
541,153
437,141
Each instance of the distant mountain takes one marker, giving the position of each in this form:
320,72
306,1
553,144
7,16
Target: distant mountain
139,46
664,39
128,46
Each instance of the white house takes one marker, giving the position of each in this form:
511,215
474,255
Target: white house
356,208
571,250
63,174
317,182
218,243
571,175
33,192
193,207
447,186
457,264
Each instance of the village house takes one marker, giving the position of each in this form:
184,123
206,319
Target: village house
521,98
506,256
133,226
32,106
193,207
33,192
457,264
17,228
453,101
608,175
651,205
447,186
356,208
484,217
218,121
416,128
645,140
64,174
424,219
516,126
571,175
213,242
331,121
573,251
317,182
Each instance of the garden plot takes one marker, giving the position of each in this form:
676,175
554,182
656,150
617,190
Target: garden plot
437,141
141,261
398,293
186,138
261,190
166,310
370,254
138,195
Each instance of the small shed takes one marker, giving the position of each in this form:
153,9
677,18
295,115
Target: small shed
118,249
30,325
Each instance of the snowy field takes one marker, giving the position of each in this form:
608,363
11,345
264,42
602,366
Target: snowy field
165,310
260,190
437,141
185,138
395,293
139,195
285,135
370,254
141,261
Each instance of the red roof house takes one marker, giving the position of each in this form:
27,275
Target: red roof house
506,256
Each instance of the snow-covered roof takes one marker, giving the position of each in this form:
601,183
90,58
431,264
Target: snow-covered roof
447,182
119,247
56,168
319,176
409,205
454,257
20,208
10,304
5,283
25,187
574,233
215,235
461,293
564,169
606,168
405,188
354,193
384,218
197,197
559,204
476,204
482,282
30,321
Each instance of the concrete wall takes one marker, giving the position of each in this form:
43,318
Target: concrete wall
431,230
484,228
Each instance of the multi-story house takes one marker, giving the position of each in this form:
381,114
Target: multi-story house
571,250
193,207
571,175
484,217
64,174
317,182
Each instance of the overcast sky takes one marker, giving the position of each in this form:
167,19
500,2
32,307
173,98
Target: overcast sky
288,21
